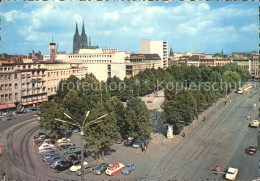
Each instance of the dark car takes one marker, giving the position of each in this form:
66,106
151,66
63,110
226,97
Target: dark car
50,155
35,108
101,169
74,157
51,159
63,166
251,150
129,142
65,147
20,112
8,118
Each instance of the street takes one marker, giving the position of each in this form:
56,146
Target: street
220,140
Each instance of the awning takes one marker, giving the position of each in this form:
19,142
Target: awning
45,100
30,102
40,100
11,105
24,103
3,106
35,102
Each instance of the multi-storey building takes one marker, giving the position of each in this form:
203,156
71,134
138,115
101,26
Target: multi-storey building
57,71
138,62
157,47
22,84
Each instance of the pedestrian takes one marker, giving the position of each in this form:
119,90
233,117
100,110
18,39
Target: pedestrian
145,148
218,169
183,134
204,119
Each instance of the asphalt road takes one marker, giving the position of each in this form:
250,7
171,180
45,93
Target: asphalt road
221,140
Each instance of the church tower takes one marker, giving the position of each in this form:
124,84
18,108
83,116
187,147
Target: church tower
171,52
76,41
84,38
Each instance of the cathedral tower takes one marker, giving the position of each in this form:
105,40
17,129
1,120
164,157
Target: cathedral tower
84,38
76,41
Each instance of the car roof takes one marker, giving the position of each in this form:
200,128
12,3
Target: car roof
232,170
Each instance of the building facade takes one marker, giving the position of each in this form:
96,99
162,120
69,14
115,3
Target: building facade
155,47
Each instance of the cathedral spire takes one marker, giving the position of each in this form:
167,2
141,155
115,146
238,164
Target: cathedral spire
77,31
83,29
84,38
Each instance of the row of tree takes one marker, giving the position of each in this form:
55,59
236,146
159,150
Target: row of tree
188,91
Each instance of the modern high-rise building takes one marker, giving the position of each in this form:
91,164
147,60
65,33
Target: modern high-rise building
153,47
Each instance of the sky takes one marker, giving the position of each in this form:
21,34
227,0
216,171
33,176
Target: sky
187,26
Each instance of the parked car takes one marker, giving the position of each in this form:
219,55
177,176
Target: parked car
64,144
71,149
59,161
45,150
137,143
120,140
114,169
254,124
27,110
77,165
61,167
35,108
45,157
45,145
63,147
128,168
39,134
49,160
63,140
129,141
231,173
46,154
87,169
251,150
100,169
8,118
20,112
74,157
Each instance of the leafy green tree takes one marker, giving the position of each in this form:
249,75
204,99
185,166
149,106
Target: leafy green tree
49,111
137,119
102,135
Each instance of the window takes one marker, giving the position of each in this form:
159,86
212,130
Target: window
16,86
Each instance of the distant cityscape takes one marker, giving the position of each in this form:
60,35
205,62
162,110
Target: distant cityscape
27,80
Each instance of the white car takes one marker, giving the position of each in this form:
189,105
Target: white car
76,166
254,124
45,145
114,169
231,173
64,140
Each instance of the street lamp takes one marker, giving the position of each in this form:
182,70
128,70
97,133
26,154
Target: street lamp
82,127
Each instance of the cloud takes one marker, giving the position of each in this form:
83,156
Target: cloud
114,16
251,27
177,23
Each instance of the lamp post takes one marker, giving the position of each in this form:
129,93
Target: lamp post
82,127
